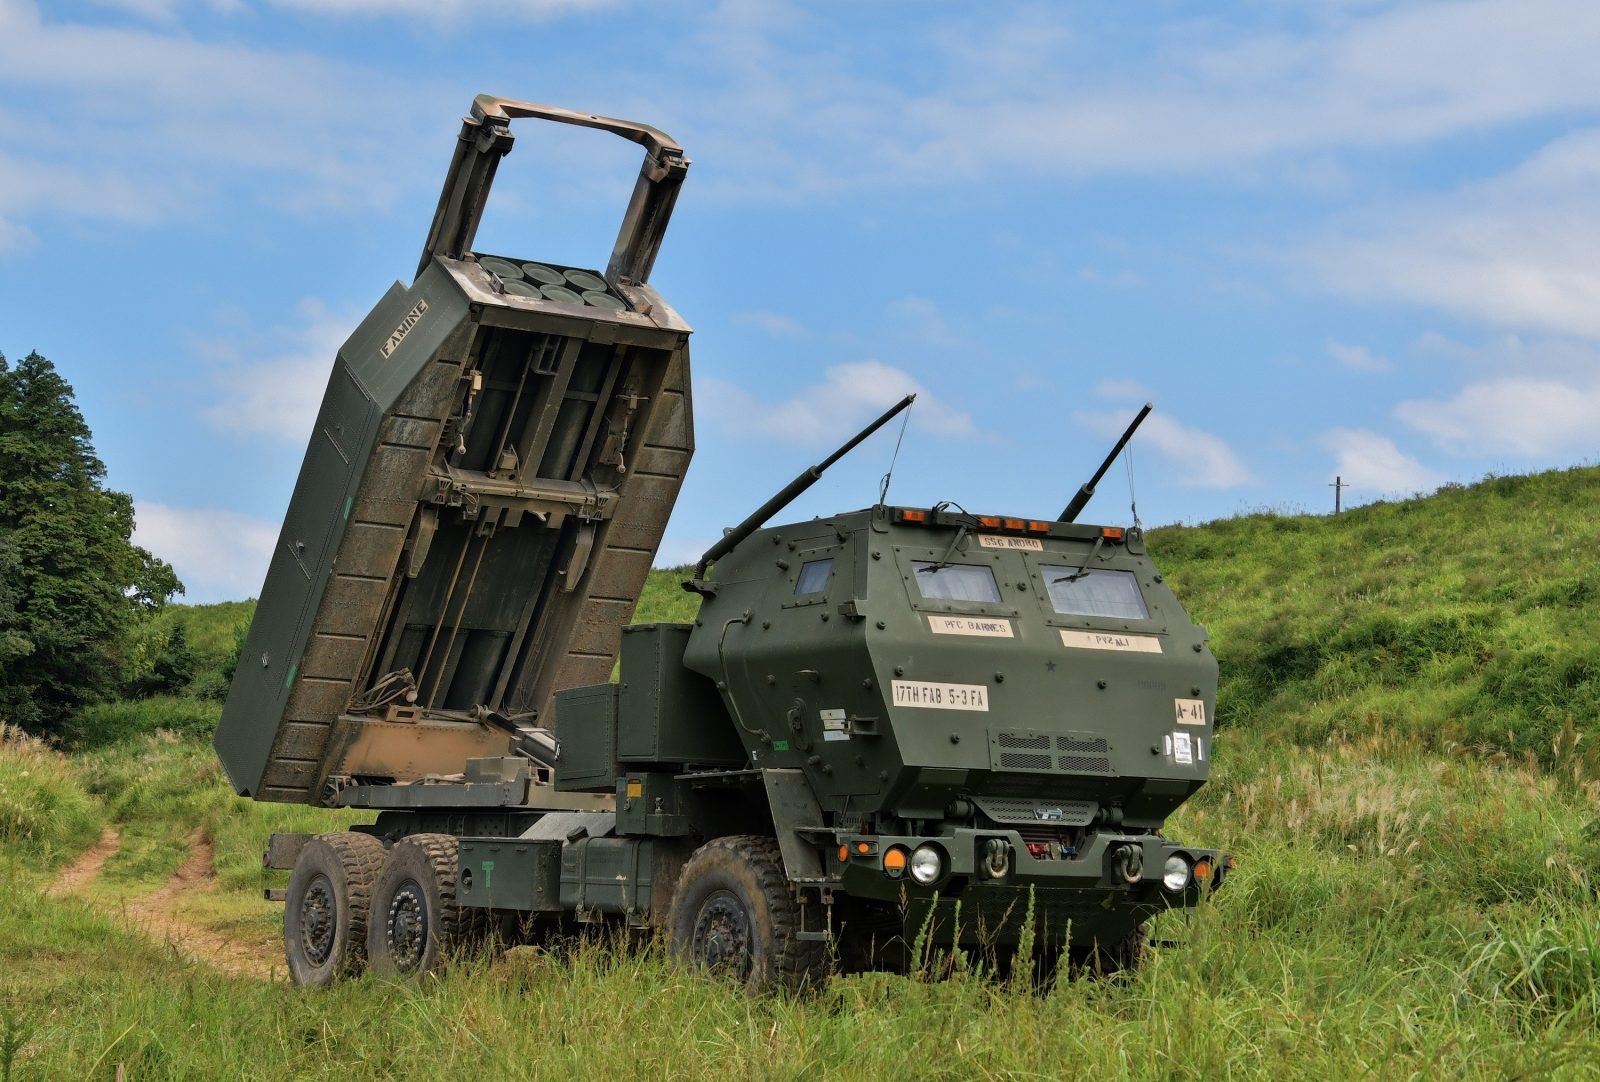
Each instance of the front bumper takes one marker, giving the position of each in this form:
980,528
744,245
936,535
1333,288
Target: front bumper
1098,895
1125,867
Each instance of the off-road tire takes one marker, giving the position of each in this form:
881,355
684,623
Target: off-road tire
326,912
733,913
415,919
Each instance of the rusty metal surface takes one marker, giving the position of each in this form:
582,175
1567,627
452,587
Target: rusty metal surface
486,138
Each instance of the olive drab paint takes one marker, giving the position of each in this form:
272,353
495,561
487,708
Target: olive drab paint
890,718
508,461
920,702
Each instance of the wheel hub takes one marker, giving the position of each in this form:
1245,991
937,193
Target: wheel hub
722,938
408,925
319,919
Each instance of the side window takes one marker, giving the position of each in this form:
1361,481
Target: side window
955,582
813,578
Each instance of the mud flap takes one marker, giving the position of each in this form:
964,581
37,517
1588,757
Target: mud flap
794,808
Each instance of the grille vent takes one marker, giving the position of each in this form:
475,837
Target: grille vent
1073,753
1085,764
1014,760
1073,813
1028,742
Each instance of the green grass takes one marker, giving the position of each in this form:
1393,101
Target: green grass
1395,914
1469,617
1406,771
118,721
45,811
664,600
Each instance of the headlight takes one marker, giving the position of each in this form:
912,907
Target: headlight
1176,875
927,866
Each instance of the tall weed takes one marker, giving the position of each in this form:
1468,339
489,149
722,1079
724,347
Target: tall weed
44,809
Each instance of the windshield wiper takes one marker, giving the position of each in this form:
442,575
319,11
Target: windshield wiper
944,561
1087,560
967,521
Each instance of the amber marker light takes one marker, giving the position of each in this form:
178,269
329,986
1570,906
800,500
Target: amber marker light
1038,527
844,853
913,516
989,522
1202,870
894,862
1111,533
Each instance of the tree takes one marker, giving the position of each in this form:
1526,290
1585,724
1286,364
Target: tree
171,669
74,579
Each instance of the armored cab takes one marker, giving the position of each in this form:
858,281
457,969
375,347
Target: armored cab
487,481
1014,704
907,658
943,721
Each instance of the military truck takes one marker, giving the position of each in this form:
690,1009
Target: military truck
896,721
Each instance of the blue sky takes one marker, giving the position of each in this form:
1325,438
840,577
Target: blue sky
1355,238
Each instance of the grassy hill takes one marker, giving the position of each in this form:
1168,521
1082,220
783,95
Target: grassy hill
1469,617
1408,705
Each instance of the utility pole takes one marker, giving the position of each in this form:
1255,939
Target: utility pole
1338,486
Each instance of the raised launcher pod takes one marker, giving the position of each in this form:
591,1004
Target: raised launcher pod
496,455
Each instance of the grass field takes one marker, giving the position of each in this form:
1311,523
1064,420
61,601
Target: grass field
1405,770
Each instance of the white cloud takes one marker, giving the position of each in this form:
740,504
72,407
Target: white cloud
848,397
1198,458
163,123
787,108
1553,358
278,394
1530,397
433,10
925,319
167,10
1519,416
14,236
219,555
1516,250
1359,358
1372,465
774,323
1125,389
87,190
444,10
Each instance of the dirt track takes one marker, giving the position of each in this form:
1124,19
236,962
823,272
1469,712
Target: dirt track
158,915
83,871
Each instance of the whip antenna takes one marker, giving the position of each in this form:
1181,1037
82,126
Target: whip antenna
1133,499
883,486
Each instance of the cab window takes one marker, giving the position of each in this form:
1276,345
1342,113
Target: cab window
1113,594
813,576
955,582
